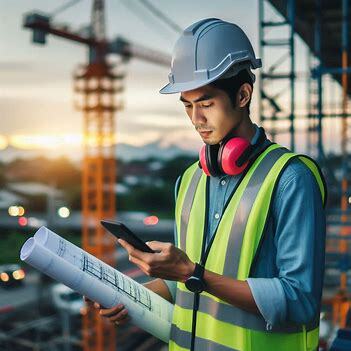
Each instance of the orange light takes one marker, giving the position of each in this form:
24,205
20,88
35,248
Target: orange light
21,211
151,220
4,277
22,221
19,274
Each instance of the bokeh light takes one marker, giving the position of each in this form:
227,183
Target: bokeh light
13,211
63,212
22,221
151,220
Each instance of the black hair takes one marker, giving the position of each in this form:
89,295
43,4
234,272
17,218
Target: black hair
232,85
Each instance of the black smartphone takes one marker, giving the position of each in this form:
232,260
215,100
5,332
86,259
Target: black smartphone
119,230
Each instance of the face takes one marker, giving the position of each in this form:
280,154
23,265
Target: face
211,112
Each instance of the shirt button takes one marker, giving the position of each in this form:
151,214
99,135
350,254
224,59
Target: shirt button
217,215
223,182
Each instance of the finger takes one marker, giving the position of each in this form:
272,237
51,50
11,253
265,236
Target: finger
119,317
108,312
157,245
126,245
133,251
141,264
122,322
97,305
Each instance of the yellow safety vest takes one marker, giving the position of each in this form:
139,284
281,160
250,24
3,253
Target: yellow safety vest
219,325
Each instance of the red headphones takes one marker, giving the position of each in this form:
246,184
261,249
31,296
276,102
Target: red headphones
231,157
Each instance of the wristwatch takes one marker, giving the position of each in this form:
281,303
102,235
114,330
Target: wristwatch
196,283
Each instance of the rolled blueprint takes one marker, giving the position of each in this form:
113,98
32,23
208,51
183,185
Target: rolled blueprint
89,276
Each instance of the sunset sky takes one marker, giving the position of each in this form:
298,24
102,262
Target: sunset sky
36,94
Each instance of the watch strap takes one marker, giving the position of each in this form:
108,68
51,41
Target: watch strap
199,271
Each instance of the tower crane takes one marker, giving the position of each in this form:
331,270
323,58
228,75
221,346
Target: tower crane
98,84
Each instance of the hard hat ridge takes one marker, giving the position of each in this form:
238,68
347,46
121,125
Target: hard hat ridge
192,29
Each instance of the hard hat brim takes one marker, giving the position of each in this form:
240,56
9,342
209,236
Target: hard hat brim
180,87
172,88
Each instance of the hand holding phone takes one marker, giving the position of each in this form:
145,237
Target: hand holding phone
120,231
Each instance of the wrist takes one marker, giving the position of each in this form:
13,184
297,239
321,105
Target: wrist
190,270
196,283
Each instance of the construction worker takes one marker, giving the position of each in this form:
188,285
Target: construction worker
246,270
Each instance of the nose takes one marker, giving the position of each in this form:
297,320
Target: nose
197,116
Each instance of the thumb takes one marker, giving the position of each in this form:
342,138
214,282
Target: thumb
156,245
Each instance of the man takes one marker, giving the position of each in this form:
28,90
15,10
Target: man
248,262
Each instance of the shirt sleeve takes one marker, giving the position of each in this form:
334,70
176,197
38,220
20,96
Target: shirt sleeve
172,285
294,295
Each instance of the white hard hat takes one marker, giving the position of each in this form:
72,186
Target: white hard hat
207,50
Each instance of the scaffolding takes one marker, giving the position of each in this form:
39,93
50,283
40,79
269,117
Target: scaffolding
272,113
324,28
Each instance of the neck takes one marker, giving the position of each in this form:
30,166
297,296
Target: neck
245,129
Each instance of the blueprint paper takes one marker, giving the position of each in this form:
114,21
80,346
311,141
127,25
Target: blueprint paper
89,276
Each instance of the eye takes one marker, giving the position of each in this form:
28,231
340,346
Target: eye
187,106
206,106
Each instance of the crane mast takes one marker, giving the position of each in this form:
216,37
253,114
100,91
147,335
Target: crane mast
98,86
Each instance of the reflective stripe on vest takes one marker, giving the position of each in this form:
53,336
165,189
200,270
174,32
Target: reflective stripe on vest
188,202
231,314
238,234
184,339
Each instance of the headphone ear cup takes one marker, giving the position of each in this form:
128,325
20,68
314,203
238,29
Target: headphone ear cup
211,158
208,159
219,156
230,153
203,162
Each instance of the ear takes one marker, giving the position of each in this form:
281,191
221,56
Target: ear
244,95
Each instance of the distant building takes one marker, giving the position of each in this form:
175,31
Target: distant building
33,189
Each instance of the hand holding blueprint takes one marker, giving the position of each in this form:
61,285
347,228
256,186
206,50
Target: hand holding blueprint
89,276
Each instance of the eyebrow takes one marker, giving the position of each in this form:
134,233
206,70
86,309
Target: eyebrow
201,98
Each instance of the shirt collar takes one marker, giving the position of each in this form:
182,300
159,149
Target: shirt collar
256,136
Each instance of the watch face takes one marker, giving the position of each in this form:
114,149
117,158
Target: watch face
194,284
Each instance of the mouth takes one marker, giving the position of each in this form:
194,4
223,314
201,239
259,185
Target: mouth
205,134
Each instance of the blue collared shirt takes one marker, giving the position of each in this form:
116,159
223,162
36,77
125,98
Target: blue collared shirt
287,280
